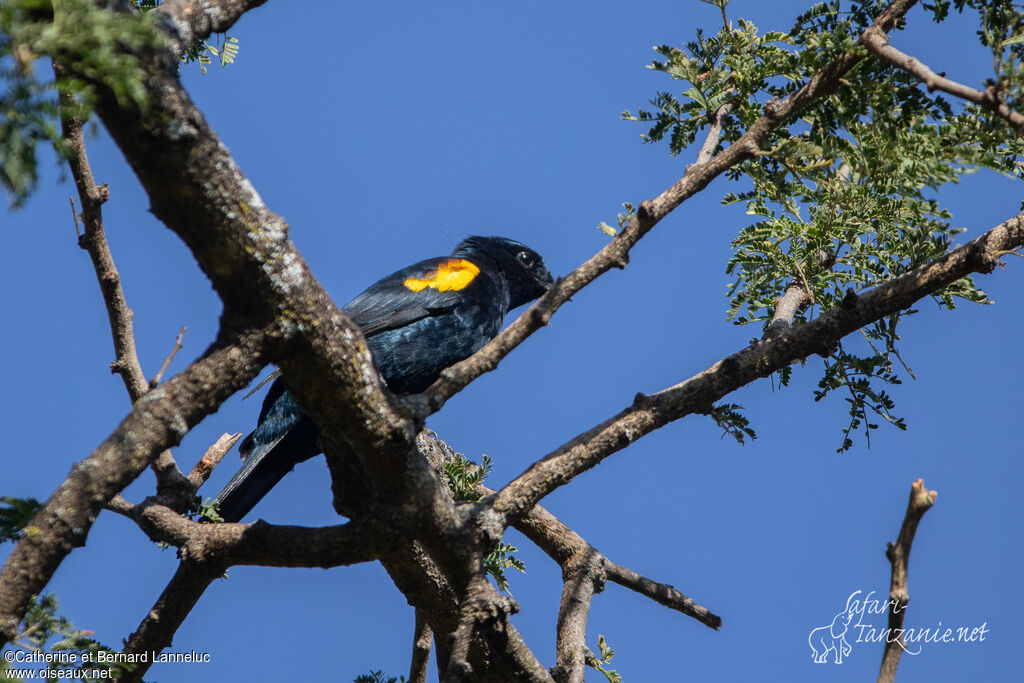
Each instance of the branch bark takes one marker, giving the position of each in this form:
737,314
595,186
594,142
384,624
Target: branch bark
120,316
582,577
921,500
878,43
698,393
422,637
191,21
616,253
196,188
158,420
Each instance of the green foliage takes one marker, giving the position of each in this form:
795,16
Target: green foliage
15,514
623,218
378,677
204,511
97,45
43,630
500,559
732,422
606,658
92,42
463,476
204,53
845,196
861,378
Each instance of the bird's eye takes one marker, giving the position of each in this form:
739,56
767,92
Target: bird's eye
525,259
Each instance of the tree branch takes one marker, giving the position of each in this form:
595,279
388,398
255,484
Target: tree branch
562,544
208,550
758,360
661,593
260,543
167,361
157,421
616,253
94,241
878,43
196,20
162,621
921,499
583,576
204,467
422,637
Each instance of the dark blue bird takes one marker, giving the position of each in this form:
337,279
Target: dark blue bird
417,322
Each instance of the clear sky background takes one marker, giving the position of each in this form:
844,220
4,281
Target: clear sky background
385,133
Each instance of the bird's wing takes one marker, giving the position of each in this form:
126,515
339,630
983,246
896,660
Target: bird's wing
430,287
425,289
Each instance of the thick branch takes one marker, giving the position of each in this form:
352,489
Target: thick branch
196,188
158,420
583,577
616,253
878,43
260,543
921,499
758,360
196,20
422,637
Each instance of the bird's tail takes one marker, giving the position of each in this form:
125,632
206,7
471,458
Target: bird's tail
265,464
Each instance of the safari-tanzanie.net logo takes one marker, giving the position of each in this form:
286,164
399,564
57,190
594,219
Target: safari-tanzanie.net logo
865,619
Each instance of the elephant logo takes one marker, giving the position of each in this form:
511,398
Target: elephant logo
832,638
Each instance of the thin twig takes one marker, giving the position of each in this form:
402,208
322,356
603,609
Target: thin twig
167,361
878,43
94,241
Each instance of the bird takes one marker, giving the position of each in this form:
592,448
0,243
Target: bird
417,321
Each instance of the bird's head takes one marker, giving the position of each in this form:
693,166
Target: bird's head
523,268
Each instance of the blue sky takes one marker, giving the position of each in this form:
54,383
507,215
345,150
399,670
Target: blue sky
385,133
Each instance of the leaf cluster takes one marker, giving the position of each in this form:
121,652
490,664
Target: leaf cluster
463,476
97,46
378,677
599,663
846,195
43,629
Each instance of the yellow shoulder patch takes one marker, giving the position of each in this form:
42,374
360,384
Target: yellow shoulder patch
453,274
